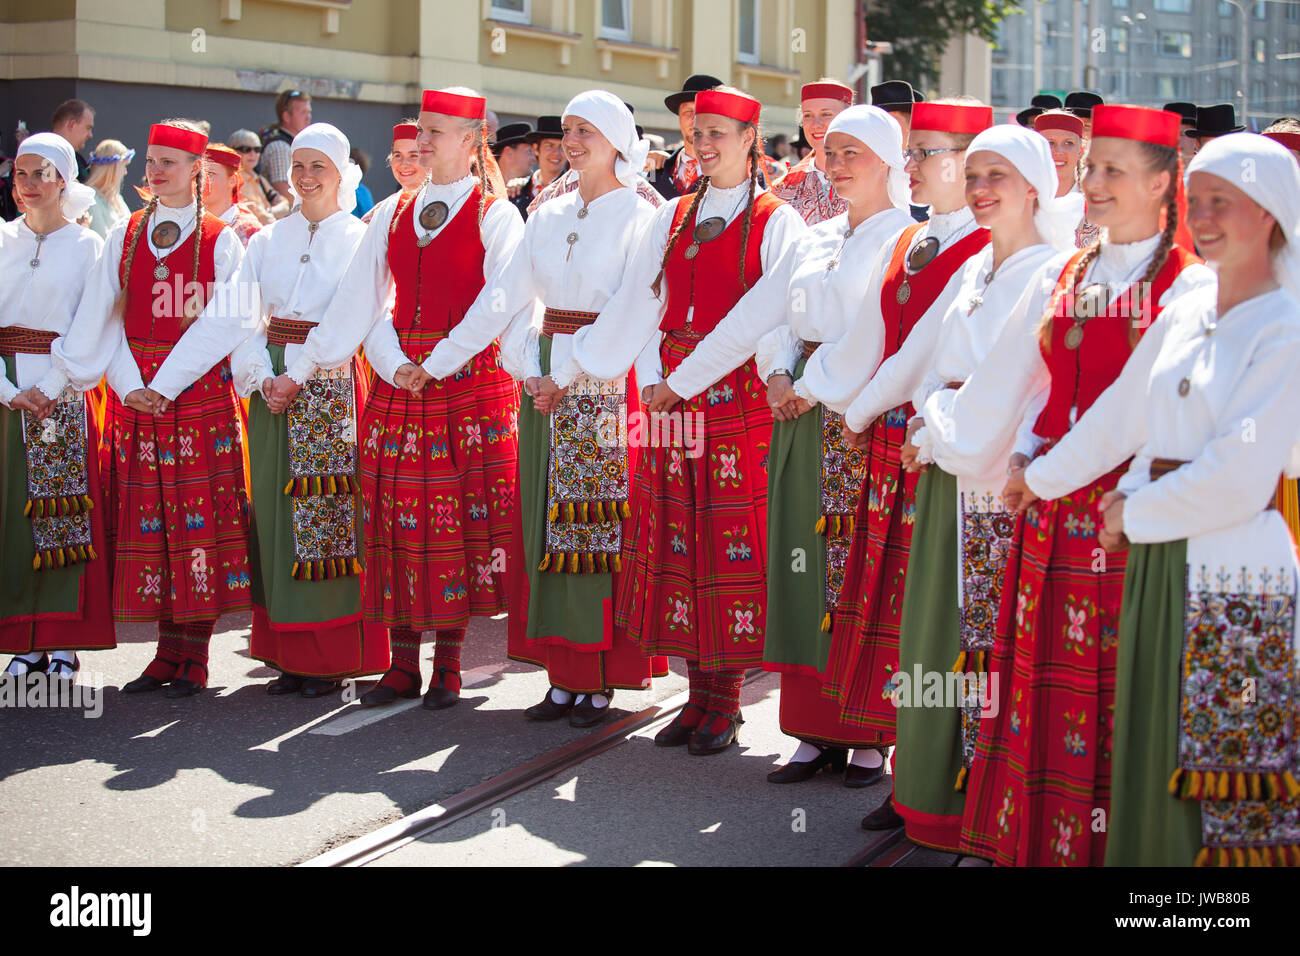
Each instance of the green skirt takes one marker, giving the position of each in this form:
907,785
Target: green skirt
567,606
796,565
1148,826
928,756
286,599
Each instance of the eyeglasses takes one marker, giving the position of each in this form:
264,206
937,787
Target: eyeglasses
921,155
248,149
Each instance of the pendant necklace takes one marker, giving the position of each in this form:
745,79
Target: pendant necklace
710,229
164,236
835,259
40,238
311,234
433,215
977,299
920,256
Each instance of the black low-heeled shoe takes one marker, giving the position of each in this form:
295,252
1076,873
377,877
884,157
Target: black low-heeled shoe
677,732
703,743
548,709
833,758
38,666
884,817
855,777
182,686
439,696
146,682
286,683
319,687
64,670
383,693
586,714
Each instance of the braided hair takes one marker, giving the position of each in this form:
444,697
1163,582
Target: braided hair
1159,159
188,314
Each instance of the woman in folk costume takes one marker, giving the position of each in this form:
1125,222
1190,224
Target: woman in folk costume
305,590
807,186
437,466
55,595
913,280
1064,133
1042,761
222,185
182,502
574,468
1205,767
812,296
404,161
694,557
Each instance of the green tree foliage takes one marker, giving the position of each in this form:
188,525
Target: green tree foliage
920,31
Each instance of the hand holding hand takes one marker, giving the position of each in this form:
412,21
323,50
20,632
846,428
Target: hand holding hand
907,454
548,395
283,391
1111,536
780,391
851,438
35,401
417,380
663,398
1016,494
141,400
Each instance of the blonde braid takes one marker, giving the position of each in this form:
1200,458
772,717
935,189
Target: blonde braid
1157,263
755,157
186,320
481,136
1049,316
119,303
701,187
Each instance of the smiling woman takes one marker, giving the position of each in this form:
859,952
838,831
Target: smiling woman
806,186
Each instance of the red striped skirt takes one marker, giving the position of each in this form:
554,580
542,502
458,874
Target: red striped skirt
695,552
1042,762
182,501
863,659
438,482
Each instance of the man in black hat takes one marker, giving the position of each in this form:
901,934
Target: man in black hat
513,152
677,175
1039,105
1214,121
1080,103
545,140
896,97
1186,123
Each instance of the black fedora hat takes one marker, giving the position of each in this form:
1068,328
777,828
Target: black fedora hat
696,83
896,95
1186,110
1212,121
1039,104
512,134
548,127
1081,102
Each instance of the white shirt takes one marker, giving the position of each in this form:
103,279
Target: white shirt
799,300
627,331
272,281
96,344
44,298
356,315
1014,373
542,273
849,376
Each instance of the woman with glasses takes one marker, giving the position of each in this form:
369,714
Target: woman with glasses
257,191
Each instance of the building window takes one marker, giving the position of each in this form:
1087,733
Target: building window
747,22
1292,96
1261,51
1260,11
616,19
1119,4
1119,39
1172,87
1174,43
1293,12
1257,92
1174,6
1225,89
1227,46
515,11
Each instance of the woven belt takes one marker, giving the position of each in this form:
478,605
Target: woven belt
809,348
565,322
1163,466
288,331
954,385
15,339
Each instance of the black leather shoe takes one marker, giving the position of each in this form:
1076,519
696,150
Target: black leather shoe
703,743
64,670
285,684
181,685
587,714
383,693
38,666
439,696
884,817
856,777
142,684
548,709
834,758
319,687
678,733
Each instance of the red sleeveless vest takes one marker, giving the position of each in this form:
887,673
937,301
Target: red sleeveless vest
155,308
1080,375
719,288
448,272
925,286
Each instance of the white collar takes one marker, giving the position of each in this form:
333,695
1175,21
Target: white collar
446,191
1125,257
944,226
230,215
183,216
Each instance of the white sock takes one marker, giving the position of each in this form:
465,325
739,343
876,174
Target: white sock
69,656
31,658
866,757
560,696
599,701
974,861
805,753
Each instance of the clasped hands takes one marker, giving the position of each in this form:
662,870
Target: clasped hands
34,402
148,401
786,404
545,393
1018,496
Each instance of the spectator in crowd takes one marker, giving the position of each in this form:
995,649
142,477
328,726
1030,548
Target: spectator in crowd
1286,130
258,194
514,153
365,198
108,165
293,114
74,120
493,124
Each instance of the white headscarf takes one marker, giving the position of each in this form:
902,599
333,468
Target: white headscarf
1030,153
331,141
1266,172
611,117
77,197
881,134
